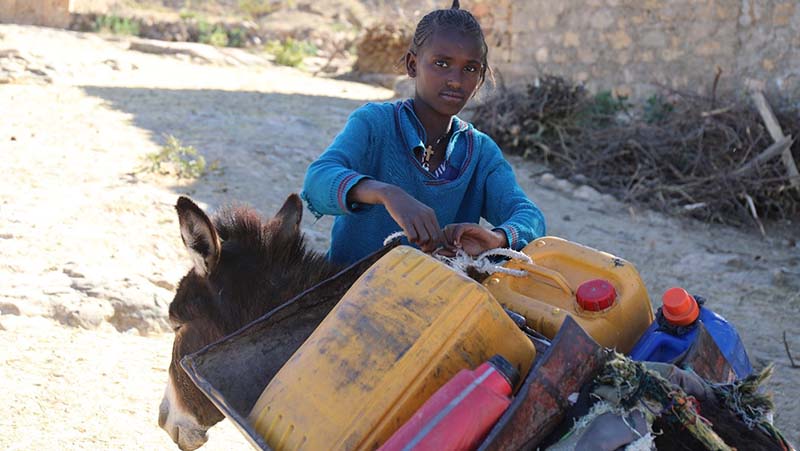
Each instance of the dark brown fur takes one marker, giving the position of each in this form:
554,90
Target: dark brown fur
247,268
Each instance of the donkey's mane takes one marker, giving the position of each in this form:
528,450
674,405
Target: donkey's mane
242,228
281,265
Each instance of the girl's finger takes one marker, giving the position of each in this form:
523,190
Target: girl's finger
448,234
438,235
423,236
458,233
411,233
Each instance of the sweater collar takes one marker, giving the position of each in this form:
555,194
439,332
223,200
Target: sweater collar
414,133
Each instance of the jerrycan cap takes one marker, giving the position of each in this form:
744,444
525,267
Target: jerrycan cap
596,295
505,368
680,308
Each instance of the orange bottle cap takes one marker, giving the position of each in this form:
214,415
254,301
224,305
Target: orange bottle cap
680,308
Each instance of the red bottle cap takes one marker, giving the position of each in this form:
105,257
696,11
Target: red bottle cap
596,295
680,308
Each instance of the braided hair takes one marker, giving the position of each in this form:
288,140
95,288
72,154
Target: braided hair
456,19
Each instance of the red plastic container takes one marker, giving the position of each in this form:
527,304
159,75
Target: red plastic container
460,414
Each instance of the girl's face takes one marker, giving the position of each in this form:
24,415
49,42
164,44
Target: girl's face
447,70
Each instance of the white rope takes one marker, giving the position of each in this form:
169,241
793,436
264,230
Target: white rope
482,263
393,237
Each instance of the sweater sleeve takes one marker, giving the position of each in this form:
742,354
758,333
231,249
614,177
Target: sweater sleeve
507,206
331,176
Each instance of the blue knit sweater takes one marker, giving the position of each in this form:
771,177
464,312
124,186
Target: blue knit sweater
378,142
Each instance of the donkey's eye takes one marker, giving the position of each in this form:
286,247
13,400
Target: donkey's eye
175,324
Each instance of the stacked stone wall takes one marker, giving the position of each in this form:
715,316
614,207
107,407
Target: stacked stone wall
49,13
634,46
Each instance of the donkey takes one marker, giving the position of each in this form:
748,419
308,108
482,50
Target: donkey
243,267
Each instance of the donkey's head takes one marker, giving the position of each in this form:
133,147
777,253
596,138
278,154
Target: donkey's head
243,267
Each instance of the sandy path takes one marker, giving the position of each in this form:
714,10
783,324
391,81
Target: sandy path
88,241
75,389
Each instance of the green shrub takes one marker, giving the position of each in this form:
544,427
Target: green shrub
219,37
237,37
184,161
256,8
211,34
116,25
656,109
186,14
290,52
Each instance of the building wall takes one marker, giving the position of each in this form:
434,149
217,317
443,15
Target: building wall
49,13
632,46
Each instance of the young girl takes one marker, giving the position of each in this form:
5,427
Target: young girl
413,165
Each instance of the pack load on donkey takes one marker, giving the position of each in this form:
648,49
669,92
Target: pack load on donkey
397,350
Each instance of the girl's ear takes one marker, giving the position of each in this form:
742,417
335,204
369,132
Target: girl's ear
411,64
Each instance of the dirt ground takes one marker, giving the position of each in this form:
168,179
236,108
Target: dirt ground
91,252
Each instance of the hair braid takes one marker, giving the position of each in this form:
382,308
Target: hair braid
456,19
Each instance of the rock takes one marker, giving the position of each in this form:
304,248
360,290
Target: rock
586,192
163,284
69,269
7,308
786,278
86,315
138,314
547,180
564,186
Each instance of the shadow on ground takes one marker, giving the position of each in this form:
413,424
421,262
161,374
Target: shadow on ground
263,142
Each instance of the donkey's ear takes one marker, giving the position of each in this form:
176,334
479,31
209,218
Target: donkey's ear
289,216
199,236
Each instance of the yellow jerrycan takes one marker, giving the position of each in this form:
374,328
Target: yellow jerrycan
406,326
601,292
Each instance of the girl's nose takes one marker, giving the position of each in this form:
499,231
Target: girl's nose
454,82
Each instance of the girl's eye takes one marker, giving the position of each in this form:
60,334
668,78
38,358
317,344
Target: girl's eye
470,69
441,63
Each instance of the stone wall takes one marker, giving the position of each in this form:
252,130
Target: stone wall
49,13
632,46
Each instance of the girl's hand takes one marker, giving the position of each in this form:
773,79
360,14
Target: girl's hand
417,219
472,239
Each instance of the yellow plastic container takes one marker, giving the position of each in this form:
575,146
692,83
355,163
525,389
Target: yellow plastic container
403,330
551,290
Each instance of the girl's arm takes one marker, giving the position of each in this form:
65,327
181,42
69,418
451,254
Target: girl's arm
508,208
330,177
338,181
417,220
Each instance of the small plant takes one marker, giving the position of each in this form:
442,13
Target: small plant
256,8
211,34
237,37
218,38
186,14
601,110
183,160
656,109
290,52
116,25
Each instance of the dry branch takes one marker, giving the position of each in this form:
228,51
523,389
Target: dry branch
786,346
777,134
682,155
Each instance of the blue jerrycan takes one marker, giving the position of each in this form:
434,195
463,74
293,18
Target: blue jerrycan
674,331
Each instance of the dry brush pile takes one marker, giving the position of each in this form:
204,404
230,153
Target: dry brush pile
679,152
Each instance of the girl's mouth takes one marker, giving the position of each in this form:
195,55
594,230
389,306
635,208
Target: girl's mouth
451,96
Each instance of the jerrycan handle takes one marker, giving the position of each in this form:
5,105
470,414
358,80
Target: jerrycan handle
548,274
